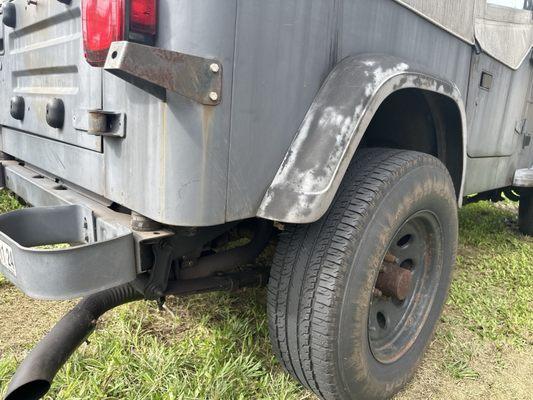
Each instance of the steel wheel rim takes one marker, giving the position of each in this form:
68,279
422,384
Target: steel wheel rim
411,267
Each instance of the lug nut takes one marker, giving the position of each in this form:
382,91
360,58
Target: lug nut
213,96
215,68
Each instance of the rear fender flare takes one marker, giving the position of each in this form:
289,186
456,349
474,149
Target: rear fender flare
332,129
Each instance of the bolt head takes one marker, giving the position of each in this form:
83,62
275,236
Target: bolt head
215,68
213,96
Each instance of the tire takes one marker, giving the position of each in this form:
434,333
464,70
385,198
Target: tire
323,288
525,212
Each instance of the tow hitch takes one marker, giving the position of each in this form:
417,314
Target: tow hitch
70,245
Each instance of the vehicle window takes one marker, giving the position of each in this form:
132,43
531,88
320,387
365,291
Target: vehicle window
518,4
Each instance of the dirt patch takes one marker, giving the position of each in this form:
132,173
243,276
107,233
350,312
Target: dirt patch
25,320
502,374
169,324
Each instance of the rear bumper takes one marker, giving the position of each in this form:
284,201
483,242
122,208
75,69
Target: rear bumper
104,251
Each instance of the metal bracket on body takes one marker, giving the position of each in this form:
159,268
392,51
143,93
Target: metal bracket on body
157,70
106,123
158,279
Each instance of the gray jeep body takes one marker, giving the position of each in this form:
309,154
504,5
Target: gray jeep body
303,85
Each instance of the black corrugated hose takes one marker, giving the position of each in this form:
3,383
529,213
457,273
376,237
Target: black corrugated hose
34,376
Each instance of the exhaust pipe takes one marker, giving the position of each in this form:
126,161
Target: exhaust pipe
227,260
36,373
34,376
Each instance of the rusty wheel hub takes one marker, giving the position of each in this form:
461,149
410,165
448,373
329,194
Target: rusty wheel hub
394,281
405,287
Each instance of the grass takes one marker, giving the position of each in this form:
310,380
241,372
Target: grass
216,346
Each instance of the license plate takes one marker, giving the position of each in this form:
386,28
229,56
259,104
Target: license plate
6,258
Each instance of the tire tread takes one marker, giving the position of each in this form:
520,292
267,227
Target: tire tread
310,356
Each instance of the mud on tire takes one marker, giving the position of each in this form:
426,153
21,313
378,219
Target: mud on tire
324,280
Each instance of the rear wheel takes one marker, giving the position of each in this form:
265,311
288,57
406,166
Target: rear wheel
354,298
525,218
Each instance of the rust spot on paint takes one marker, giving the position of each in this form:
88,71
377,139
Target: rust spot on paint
207,127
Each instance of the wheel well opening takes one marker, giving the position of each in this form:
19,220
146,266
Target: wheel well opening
420,120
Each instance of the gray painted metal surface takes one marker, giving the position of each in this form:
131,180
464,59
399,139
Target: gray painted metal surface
495,113
173,164
455,16
488,173
333,128
43,60
523,177
62,273
180,162
504,33
308,39
107,252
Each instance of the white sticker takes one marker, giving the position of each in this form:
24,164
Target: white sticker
6,258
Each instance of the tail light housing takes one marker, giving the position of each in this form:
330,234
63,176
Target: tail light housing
103,23
143,17
108,21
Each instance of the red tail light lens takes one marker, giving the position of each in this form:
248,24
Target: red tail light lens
103,23
143,16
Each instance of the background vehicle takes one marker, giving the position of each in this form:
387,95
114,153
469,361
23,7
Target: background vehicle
145,132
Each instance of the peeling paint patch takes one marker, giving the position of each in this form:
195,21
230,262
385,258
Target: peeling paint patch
330,133
380,75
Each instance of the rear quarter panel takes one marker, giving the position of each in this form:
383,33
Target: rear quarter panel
285,49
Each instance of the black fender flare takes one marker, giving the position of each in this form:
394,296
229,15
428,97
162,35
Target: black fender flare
332,129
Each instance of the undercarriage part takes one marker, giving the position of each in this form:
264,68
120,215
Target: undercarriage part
140,223
230,259
228,282
158,279
34,377
494,196
512,194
